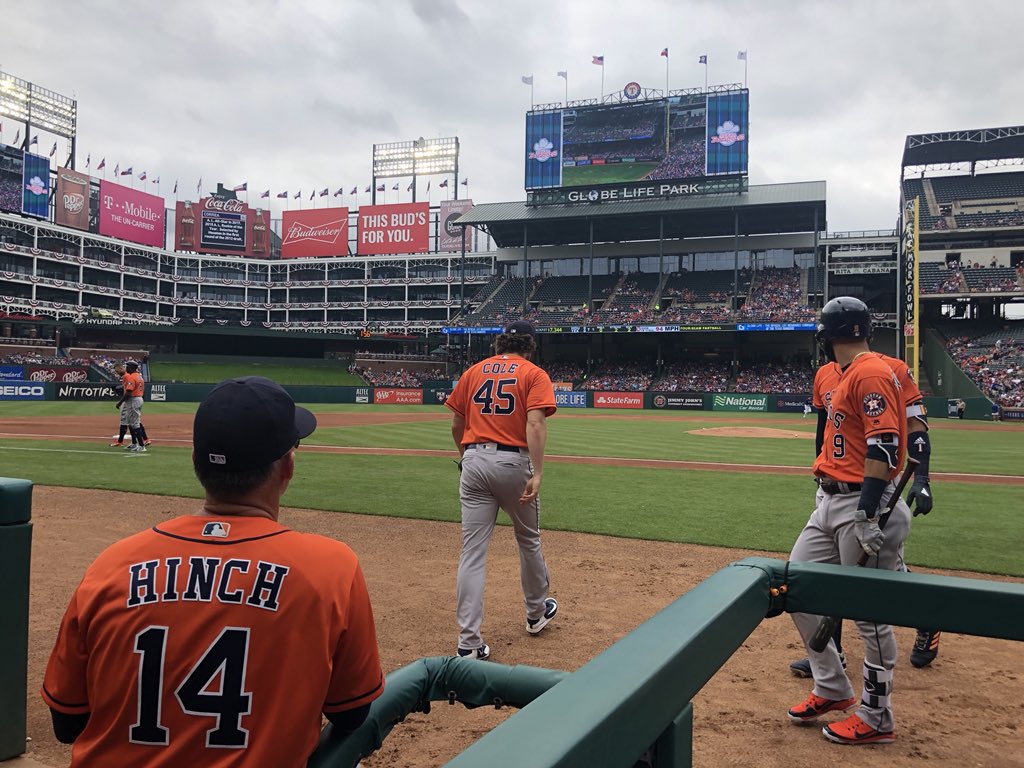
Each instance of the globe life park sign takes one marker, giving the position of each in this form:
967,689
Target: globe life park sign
637,190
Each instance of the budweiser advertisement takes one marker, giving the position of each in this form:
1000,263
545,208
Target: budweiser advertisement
451,235
222,226
398,396
402,228
314,232
71,205
128,214
618,399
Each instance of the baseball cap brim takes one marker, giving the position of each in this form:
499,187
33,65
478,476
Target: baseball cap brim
305,422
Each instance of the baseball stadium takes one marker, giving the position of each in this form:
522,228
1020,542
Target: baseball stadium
675,303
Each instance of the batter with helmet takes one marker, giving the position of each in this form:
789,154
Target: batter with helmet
865,445
130,405
926,644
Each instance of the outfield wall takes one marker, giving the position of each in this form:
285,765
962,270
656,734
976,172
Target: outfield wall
436,393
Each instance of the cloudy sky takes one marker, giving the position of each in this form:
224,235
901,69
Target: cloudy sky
293,95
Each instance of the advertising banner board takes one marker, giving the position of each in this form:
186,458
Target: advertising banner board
398,396
451,235
736,402
64,374
568,399
22,390
676,401
71,203
128,214
314,232
618,399
35,186
386,229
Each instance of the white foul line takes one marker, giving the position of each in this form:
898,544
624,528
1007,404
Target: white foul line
69,450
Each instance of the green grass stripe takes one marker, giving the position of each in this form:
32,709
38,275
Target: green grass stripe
323,374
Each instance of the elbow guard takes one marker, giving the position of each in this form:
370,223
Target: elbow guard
884,448
920,450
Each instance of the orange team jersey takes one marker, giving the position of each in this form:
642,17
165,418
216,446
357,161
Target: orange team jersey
827,377
211,641
133,384
865,403
494,397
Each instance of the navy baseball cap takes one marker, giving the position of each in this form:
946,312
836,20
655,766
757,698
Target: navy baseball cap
248,423
520,328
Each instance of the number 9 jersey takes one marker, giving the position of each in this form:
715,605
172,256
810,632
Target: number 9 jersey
494,397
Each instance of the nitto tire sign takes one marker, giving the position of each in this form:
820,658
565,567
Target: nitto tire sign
85,392
22,390
740,403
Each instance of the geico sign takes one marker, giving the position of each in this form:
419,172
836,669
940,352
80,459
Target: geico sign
22,390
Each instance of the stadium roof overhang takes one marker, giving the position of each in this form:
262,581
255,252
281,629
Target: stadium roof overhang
970,146
761,209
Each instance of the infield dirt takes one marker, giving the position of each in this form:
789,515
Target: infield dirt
966,709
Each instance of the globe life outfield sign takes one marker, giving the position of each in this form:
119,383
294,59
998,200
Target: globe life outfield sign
637,190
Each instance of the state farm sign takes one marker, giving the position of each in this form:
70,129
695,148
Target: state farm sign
402,228
618,399
398,396
314,233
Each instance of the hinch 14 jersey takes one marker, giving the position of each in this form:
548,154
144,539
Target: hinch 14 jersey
214,641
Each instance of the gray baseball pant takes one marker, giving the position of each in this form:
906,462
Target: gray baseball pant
134,411
492,479
829,537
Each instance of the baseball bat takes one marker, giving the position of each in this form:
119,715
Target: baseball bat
827,626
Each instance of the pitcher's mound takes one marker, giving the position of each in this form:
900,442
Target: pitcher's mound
751,432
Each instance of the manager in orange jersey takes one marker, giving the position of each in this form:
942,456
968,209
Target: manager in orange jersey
500,408
219,638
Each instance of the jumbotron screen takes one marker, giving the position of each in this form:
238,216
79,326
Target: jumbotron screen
682,137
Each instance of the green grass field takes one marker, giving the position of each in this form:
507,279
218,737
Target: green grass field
584,175
973,527
330,375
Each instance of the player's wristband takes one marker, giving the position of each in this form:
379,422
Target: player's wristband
921,452
871,495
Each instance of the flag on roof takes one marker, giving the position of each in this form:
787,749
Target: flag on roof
741,55
527,79
243,187
297,194
395,187
599,60
703,59
312,194
443,183
324,192
428,186
17,136
367,188
156,180
338,191
199,185
282,195
664,52
564,74
117,169
380,188
87,159
102,165
142,176
409,188
354,190
53,149
35,140
175,186
265,194
127,171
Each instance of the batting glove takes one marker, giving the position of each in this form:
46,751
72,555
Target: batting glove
458,464
920,496
869,535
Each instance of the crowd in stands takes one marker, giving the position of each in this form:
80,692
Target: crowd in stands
775,377
628,377
693,376
997,369
695,315
33,359
567,371
585,131
28,341
776,296
1006,219
399,378
685,159
954,282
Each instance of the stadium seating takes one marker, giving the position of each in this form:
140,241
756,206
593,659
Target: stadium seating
995,362
991,279
986,186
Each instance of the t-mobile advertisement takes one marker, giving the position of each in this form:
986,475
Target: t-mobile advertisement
402,228
131,215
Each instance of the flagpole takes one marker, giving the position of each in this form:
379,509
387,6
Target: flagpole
600,96
666,77
566,78
531,92
745,55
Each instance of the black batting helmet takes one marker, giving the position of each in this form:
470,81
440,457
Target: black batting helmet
842,318
131,366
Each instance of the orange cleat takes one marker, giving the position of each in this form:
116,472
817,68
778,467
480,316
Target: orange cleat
815,706
853,730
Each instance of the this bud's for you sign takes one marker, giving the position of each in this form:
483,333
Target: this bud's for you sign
402,228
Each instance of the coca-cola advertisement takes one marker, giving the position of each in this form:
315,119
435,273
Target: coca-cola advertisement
58,373
313,232
129,214
402,228
451,235
71,205
223,226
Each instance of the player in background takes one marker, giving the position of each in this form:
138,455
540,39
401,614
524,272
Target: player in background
926,644
865,446
499,423
133,388
125,409
217,639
